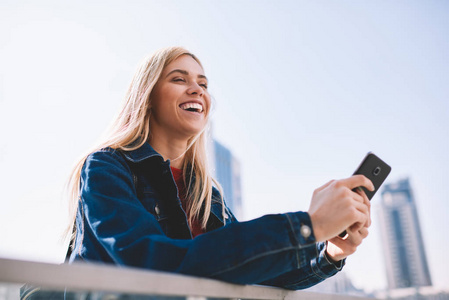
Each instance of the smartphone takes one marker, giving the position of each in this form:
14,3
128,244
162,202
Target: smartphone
375,170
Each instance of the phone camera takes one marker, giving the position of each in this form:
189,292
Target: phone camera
376,171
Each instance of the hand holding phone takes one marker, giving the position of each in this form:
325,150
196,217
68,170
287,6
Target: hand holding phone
375,170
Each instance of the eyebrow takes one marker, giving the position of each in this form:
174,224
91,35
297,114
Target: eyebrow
184,72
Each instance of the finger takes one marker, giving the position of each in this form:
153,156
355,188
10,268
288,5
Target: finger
367,203
356,226
362,207
361,198
359,216
360,235
361,192
358,180
355,237
364,232
338,241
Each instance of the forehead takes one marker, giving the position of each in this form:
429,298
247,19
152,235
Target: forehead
186,63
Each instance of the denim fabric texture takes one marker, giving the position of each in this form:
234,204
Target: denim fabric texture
130,215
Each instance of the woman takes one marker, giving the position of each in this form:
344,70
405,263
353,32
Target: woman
144,196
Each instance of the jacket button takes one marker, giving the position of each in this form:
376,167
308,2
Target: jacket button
157,210
305,231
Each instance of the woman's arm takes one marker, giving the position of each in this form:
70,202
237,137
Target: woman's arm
119,230
314,270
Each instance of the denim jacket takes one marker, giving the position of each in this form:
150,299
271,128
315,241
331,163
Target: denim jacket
130,215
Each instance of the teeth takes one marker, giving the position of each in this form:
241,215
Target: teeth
192,106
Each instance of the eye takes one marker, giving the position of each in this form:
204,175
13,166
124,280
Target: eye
203,84
178,79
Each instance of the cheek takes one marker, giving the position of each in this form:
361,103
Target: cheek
208,103
155,97
162,98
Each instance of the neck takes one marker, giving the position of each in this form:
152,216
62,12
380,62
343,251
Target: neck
172,149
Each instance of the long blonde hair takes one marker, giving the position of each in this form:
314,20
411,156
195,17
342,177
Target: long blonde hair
131,126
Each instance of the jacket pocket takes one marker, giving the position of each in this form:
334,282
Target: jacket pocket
150,200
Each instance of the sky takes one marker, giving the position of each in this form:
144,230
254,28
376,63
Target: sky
302,90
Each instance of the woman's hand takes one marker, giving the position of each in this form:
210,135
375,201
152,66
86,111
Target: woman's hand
335,208
339,248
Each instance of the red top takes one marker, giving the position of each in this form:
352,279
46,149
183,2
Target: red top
195,227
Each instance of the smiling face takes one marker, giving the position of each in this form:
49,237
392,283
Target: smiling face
180,102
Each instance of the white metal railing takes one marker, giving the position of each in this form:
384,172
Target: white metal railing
96,277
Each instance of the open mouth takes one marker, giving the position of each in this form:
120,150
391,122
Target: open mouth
193,107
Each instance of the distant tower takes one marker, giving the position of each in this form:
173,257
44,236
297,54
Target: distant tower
403,246
227,172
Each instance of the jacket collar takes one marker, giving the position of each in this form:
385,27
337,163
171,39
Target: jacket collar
142,153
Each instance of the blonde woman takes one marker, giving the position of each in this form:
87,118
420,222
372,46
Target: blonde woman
144,196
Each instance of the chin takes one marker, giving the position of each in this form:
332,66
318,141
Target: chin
194,131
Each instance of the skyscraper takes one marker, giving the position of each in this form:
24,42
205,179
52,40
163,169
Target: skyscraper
403,247
227,172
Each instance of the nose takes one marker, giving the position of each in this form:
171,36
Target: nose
195,89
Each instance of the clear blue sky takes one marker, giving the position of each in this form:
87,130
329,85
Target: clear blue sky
302,90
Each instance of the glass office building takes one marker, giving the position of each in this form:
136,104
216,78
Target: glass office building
403,246
227,172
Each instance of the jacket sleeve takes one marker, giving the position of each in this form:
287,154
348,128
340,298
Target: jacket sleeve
269,249
315,269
